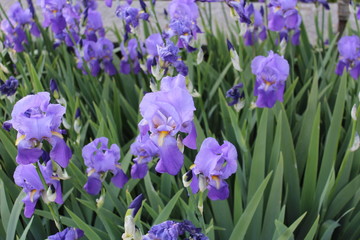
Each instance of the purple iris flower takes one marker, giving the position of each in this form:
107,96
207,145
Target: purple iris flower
94,26
97,55
151,44
183,8
9,87
173,230
105,50
349,49
166,113
284,17
72,15
131,16
91,56
15,28
271,73
108,3
130,59
243,11
100,159
27,177
213,164
67,234
183,14
257,29
145,150
53,16
36,120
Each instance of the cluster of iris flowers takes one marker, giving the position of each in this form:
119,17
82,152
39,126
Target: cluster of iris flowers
167,124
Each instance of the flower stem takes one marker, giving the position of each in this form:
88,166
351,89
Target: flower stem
53,209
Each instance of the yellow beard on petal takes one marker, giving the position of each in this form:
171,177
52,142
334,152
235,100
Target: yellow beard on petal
162,135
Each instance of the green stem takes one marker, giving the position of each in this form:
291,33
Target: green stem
53,209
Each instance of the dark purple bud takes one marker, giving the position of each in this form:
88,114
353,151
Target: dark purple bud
136,204
45,156
262,10
165,12
9,87
7,126
31,7
143,5
229,45
53,86
77,113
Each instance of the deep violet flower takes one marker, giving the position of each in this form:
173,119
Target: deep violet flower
9,87
100,159
271,73
165,114
349,49
27,177
235,94
213,164
67,234
36,120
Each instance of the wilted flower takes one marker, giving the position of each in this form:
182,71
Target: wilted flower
349,49
36,120
100,159
213,164
67,234
271,73
27,177
173,230
9,87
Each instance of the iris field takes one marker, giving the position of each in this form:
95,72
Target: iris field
178,131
